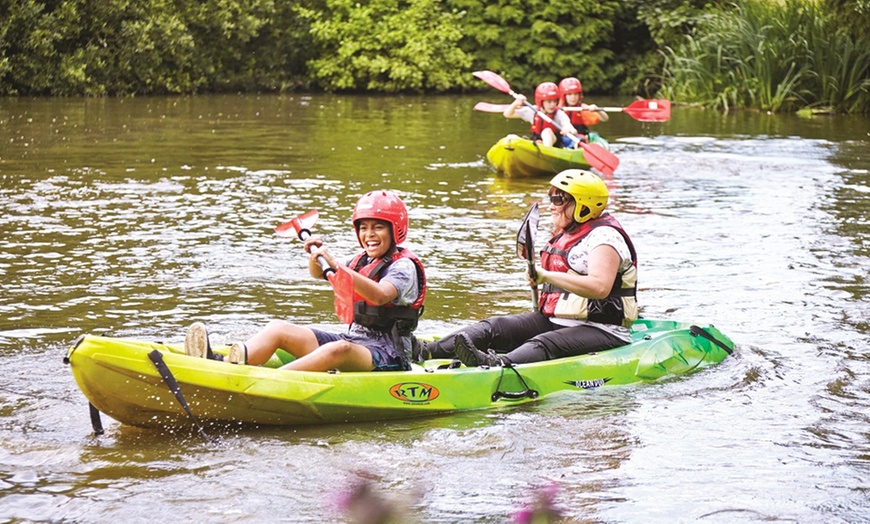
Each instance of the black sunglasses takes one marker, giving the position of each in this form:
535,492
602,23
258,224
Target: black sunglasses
558,200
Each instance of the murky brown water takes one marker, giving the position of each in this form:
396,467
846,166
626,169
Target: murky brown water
137,217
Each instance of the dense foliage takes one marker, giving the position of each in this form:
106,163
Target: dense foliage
758,53
119,47
87,47
386,45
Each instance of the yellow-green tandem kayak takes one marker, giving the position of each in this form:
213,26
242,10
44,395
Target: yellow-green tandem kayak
119,378
515,156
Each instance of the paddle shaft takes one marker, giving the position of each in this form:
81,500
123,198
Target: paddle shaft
324,264
596,108
641,110
533,272
547,119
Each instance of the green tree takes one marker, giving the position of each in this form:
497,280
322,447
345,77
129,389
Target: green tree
386,45
118,47
532,41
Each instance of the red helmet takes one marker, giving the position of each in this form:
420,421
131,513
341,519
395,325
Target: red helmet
569,85
546,91
383,205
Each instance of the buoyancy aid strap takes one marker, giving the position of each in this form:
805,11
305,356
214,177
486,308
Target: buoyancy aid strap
616,292
385,318
157,358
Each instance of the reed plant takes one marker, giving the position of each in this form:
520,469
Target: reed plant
773,56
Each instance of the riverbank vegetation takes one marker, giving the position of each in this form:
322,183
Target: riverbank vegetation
766,54
774,56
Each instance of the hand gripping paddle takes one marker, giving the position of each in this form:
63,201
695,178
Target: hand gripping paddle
341,280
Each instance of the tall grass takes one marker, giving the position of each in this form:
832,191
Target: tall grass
770,55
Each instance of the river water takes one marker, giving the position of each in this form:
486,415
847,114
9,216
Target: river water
136,217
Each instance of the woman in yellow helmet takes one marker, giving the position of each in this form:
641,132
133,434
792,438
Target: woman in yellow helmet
588,301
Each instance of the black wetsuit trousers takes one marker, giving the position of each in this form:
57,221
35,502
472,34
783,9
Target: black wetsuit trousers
529,337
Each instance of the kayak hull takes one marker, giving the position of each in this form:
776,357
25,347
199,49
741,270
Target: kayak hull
514,156
119,379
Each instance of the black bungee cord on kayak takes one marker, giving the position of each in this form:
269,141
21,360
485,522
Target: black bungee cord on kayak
157,358
699,331
96,421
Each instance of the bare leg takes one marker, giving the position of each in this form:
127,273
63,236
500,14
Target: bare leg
296,340
341,355
548,137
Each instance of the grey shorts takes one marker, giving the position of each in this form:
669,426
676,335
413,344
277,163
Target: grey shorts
385,356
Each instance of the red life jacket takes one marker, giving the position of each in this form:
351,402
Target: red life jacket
386,316
539,124
619,307
581,120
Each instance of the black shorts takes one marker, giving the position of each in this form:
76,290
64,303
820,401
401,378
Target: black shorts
385,356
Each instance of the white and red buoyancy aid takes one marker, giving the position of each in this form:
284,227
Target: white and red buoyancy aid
619,307
385,317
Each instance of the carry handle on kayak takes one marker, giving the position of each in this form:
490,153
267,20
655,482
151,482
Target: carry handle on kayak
513,395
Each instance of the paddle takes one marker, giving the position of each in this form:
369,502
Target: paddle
641,110
526,245
486,107
341,280
597,157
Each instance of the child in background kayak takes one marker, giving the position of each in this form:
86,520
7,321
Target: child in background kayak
547,101
389,286
588,299
571,95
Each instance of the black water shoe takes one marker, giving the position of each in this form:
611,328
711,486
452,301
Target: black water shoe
469,355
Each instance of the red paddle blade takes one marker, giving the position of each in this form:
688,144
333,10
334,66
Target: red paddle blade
649,110
494,80
342,285
486,107
295,227
599,158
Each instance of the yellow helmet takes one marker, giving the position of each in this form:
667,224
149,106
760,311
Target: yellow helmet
589,192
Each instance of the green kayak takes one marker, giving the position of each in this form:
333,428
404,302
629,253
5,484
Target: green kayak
121,379
515,156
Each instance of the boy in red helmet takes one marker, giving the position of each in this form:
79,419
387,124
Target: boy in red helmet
571,95
389,285
547,101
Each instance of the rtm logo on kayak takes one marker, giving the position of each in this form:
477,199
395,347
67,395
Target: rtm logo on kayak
588,384
414,392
